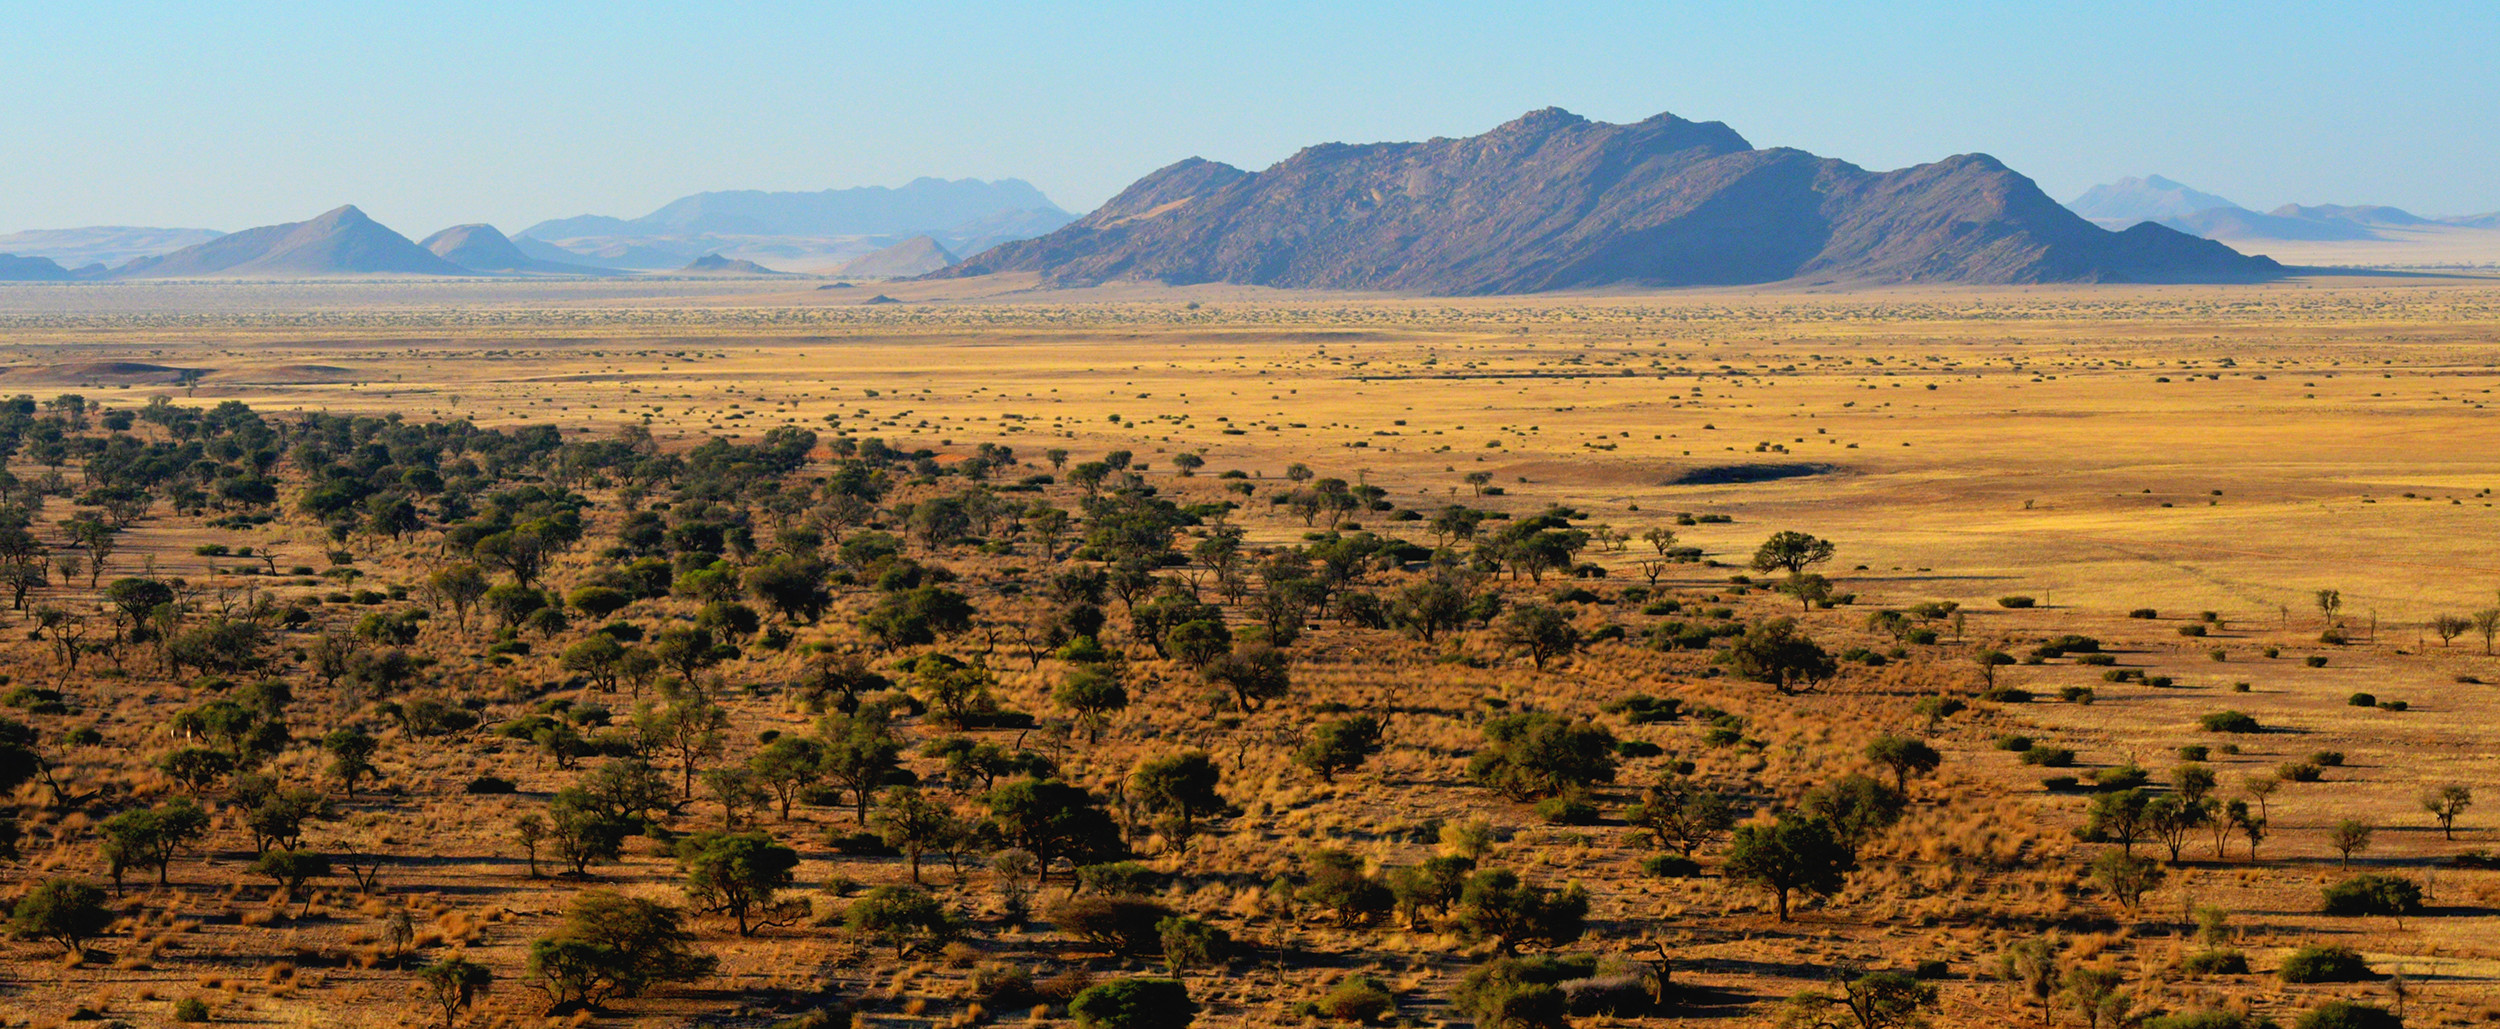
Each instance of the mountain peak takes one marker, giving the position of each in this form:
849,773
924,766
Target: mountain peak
1543,119
342,241
2151,198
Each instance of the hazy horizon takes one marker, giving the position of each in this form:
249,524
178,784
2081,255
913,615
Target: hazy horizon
196,116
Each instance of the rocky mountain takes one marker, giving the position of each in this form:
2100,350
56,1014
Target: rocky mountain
17,268
482,248
918,255
101,244
1555,201
341,242
819,231
2119,204
715,264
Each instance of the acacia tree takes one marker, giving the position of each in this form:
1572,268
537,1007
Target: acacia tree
1904,756
65,911
1795,853
1792,552
151,836
1544,632
1181,787
455,983
2445,803
611,945
736,873
914,823
1779,653
460,587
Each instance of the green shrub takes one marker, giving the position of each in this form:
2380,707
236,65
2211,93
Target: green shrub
2015,742
2362,700
2299,771
2392,705
2195,752
2216,962
2345,1014
2229,721
1134,1004
2314,660
2076,695
2374,894
2208,1018
1670,866
1569,809
190,1009
2325,963
1359,999
2017,602
2328,758
2143,612
2049,757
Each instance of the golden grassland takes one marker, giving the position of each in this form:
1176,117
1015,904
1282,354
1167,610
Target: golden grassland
2184,450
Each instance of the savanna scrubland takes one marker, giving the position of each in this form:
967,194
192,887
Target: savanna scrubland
533,655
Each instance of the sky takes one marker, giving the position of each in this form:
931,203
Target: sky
229,115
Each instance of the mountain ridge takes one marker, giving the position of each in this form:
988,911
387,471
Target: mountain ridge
1552,200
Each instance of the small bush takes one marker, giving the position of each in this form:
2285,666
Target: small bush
1670,866
2216,962
2143,612
1134,1004
2325,963
2229,721
2299,771
2007,695
2076,695
2393,705
487,784
2060,783
2328,758
2017,602
1359,999
2345,1014
2015,742
2314,660
2374,894
2361,700
190,1009
2049,757
1567,810
2195,752
2192,629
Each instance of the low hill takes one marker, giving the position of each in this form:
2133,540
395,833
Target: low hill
341,242
482,248
101,244
1554,201
2152,198
922,205
14,268
2235,223
715,264
918,255
2362,214
811,231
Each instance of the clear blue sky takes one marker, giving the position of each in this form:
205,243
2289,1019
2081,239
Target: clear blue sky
229,115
